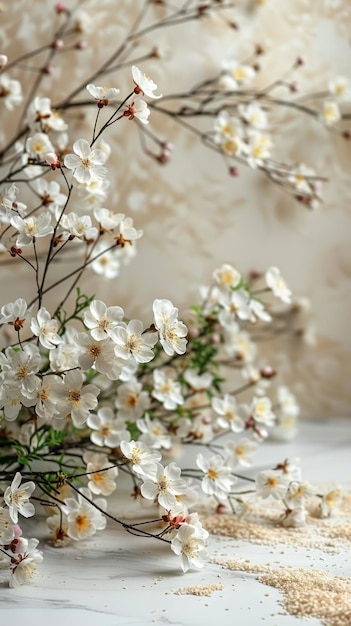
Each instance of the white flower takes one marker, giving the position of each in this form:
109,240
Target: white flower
41,111
6,527
14,313
330,501
227,277
131,400
45,402
21,367
239,344
272,483
196,381
11,400
340,88
25,565
259,148
330,113
143,84
102,94
83,519
241,452
32,228
138,109
253,114
242,74
50,193
277,284
142,459
44,327
298,493
236,304
39,145
10,92
3,60
261,411
17,496
166,389
154,433
172,332
86,163
107,429
101,320
131,341
75,400
164,484
79,226
258,311
106,262
294,518
108,220
287,402
218,480
189,543
230,413
97,354
100,473
302,178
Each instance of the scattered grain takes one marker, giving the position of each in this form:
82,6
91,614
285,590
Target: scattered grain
199,590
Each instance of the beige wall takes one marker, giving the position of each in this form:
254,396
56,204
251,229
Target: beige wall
194,215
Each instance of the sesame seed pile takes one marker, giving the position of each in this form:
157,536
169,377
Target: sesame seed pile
306,593
199,590
263,528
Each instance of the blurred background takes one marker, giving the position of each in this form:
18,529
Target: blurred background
194,215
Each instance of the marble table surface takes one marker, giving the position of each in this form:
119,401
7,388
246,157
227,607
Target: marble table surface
115,579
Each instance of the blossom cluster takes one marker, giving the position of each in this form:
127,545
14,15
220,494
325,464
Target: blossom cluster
90,397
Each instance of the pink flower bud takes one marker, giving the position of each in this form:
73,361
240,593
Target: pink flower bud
58,44
60,7
233,171
81,45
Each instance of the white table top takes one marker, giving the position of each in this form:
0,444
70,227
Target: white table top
117,579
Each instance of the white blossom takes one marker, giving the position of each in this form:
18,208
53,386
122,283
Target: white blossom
31,228
10,92
241,452
108,430
83,519
340,88
229,412
17,496
227,277
272,483
164,484
331,113
97,354
166,389
277,284
45,328
101,473
87,164
132,341
190,544
138,109
131,400
143,460
25,565
39,145
261,411
172,332
102,94
74,399
217,480
143,84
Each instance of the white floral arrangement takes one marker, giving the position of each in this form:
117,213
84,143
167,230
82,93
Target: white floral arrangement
89,396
